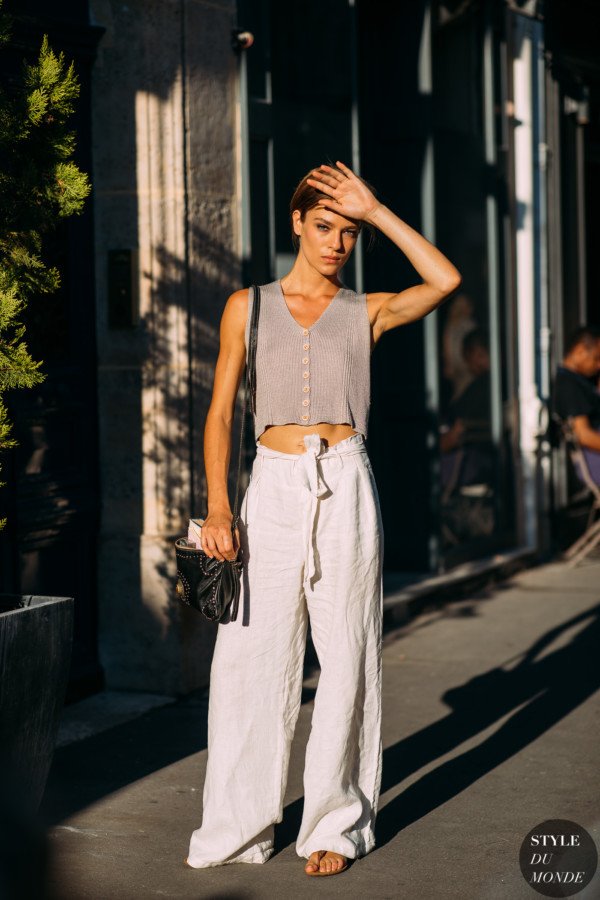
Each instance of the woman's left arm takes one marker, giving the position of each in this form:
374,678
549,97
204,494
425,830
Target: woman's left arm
440,277
353,198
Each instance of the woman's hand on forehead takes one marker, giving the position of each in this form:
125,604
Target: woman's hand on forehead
350,196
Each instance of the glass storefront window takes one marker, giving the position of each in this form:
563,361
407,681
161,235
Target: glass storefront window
476,508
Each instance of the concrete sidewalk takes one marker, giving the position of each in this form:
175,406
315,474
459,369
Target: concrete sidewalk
491,718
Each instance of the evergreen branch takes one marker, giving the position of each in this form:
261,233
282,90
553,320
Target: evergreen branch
39,185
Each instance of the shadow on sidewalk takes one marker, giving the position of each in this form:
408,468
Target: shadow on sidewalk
550,687
86,770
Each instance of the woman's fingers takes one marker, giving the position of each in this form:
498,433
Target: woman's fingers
334,173
225,544
322,186
327,182
334,206
333,177
217,543
208,544
345,169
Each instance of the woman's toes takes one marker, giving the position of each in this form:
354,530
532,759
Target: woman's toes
313,861
332,861
325,861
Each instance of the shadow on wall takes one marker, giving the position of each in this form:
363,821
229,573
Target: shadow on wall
153,441
164,106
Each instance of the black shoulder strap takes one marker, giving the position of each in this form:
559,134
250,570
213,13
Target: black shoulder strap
252,346
249,392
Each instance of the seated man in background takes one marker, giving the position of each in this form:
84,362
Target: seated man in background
575,395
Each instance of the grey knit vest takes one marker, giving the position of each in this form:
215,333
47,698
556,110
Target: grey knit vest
317,374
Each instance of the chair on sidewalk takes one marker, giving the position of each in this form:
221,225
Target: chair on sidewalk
467,498
591,536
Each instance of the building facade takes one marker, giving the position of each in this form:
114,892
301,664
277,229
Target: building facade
476,122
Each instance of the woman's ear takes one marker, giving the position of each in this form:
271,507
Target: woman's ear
297,222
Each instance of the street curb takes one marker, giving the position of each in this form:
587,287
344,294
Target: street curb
432,592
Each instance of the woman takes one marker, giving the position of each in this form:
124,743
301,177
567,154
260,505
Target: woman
311,535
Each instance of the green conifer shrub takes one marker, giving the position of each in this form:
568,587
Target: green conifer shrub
39,185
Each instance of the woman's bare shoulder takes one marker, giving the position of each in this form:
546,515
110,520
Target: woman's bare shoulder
236,308
238,301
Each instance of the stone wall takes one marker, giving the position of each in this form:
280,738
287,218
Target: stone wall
165,176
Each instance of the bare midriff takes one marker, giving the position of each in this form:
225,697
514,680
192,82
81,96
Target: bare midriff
289,438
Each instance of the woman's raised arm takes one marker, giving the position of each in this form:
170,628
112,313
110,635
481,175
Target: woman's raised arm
351,197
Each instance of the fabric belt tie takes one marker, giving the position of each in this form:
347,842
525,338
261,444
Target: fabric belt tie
309,470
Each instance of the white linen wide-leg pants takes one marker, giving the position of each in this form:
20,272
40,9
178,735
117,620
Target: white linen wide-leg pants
312,537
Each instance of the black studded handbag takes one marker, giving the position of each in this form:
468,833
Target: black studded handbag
207,584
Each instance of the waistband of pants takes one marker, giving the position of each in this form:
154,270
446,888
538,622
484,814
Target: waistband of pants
306,469
313,443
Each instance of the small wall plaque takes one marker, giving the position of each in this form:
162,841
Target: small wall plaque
123,305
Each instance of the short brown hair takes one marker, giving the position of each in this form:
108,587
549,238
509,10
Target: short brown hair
306,197
587,335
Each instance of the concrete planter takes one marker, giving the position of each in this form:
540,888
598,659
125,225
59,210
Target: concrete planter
36,635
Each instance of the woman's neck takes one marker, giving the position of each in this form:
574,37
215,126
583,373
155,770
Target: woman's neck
304,279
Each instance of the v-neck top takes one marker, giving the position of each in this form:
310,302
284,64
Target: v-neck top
309,375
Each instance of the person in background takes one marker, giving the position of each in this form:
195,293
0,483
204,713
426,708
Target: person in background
465,435
459,322
575,393
469,414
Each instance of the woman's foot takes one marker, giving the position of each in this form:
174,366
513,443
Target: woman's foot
325,862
